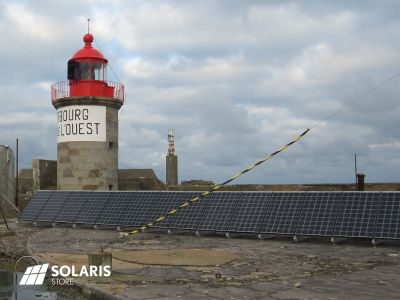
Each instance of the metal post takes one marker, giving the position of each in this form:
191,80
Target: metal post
360,182
16,177
4,217
355,170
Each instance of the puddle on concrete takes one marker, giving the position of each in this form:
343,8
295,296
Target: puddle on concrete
131,259
178,257
10,289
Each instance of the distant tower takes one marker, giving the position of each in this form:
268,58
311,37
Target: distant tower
171,161
87,115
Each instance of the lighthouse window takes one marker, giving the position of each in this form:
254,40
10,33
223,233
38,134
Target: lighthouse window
73,70
84,71
98,71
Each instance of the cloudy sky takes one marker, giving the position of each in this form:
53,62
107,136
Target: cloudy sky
235,79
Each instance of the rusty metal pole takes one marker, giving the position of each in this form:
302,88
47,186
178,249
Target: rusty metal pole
360,182
355,170
4,217
16,177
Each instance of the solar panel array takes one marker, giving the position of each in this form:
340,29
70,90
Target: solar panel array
330,214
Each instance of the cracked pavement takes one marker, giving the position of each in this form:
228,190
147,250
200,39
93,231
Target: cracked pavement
162,266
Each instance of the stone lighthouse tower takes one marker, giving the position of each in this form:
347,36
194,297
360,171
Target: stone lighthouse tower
171,161
87,115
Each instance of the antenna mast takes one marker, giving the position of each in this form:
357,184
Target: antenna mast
171,142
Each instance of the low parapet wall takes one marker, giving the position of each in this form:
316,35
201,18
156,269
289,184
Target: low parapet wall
291,187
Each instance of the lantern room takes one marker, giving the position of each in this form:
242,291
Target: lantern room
87,63
87,76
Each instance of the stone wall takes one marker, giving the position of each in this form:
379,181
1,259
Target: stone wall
138,179
289,187
44,174
7,180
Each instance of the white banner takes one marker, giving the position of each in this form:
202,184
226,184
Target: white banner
81,123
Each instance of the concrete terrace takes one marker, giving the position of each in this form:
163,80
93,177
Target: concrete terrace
162,266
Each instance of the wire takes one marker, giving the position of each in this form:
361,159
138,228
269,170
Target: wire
10,203
8,179
116,76
7,187
357,99
195,199
318,123
217,187
109,65
6,184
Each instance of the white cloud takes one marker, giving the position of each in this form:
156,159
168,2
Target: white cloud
139,68
235,79
289,24
27,22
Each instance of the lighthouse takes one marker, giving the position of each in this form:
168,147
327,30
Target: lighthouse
87,107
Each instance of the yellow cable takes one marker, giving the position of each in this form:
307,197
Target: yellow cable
195,199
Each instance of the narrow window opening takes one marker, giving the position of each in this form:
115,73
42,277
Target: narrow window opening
110,145
110,187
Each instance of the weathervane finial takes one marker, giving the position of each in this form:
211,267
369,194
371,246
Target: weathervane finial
88,27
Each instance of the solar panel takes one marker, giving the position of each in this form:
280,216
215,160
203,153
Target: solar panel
190,217
250,212
219,211
283,213
94,203
318,214
35,205
71,207
116,208
53,206
356,214
346,214
136,214
388,216
165,202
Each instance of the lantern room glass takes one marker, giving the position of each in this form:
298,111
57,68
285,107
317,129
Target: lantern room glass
90,71
98,71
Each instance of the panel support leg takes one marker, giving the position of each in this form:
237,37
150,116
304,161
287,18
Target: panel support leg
337,240
263,236
376,242
297,238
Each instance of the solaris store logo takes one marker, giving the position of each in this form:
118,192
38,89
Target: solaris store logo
34,275
61,275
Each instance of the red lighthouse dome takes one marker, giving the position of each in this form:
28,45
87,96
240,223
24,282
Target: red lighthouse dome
87,76
88,52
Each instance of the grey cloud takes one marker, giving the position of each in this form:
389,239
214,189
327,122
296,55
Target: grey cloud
235,79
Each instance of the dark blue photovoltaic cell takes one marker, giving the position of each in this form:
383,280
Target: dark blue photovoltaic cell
92,207
219,211
249,213
283,213
137,214
356,214
346,214
165,203
387,225
188,218
35,206
53,206
318,214
71,207
113,213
